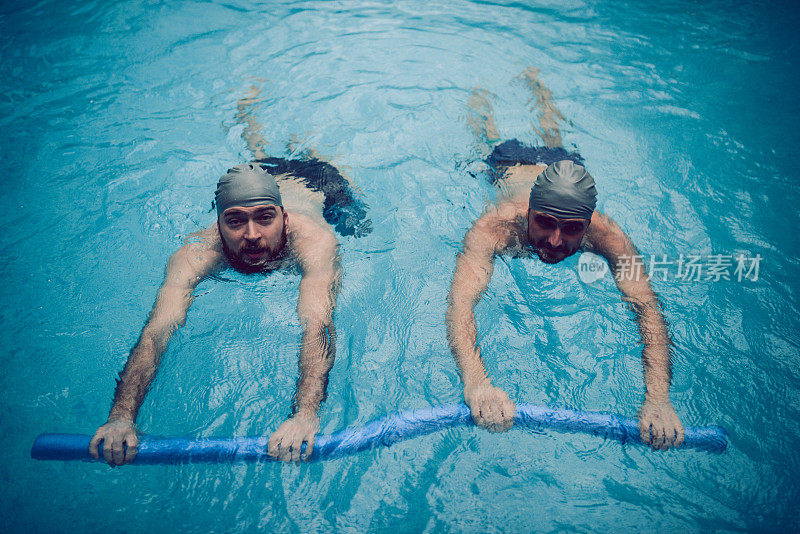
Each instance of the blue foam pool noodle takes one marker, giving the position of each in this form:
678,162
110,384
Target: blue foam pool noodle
381,432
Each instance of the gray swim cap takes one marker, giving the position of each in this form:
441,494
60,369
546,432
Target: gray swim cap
564,190
246,185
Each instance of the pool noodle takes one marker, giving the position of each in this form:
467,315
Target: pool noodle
380,432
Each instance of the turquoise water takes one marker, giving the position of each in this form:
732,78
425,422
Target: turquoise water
117,120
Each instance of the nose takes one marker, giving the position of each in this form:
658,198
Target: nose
250,231
555,238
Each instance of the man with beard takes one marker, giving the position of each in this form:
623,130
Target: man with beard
546,208
254,233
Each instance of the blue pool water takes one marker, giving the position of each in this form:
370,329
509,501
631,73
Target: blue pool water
118,118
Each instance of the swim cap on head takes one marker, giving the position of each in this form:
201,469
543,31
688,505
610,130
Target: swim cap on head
246,185
564,189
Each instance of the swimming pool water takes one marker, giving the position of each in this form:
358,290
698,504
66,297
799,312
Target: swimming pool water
118,118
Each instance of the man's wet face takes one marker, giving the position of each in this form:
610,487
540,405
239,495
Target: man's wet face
254,236
554,238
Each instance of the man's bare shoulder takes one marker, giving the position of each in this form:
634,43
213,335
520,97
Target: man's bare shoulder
200,255
500,227
308,230
204,244
310,241
605,236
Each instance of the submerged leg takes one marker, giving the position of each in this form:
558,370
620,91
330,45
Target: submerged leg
252,128
308,184
297,147
549,115
481,120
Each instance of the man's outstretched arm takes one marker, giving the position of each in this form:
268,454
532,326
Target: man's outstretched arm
318,254
490,406
659,424
190,264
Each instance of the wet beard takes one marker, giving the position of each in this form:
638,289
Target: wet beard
243,267
542,247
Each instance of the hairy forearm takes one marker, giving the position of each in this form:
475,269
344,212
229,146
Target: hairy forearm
185,269
659,424
137,375
462,337
317,353
637,292
472,275
656,356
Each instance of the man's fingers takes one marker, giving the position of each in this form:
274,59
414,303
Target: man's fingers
681,435
108,444
672,441
654,438
272,445
675,435
131,453
644,431
477,416
93,445
513,410
297,448
676,428
504,422
660,427
667,438
508,414
484,423
492,414
309,448
659,439
132,450
500,420
496,418
291,451
493,411
118,453
508,422
286,452
285,449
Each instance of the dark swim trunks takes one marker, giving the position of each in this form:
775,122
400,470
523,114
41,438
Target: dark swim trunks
510,153
341,209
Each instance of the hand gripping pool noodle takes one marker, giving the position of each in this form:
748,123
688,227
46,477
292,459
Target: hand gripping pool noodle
381,432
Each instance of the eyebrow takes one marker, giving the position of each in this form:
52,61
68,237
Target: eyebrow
267,209
241,213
